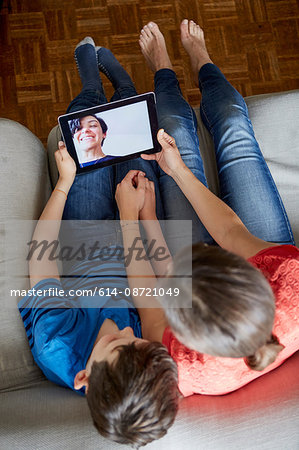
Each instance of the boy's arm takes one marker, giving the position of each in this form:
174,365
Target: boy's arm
48,226
141,276
142,282
157,248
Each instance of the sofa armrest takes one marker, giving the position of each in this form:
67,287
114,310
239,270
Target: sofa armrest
25,188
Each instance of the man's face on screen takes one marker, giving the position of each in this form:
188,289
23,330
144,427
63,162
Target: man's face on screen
90,134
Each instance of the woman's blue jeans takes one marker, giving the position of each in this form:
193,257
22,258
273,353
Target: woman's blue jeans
246,184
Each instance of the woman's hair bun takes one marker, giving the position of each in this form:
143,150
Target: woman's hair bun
265,355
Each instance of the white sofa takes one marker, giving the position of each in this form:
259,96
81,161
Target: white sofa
36,414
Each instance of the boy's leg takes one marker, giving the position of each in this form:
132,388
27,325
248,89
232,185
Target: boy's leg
91,196
245,181
92,93
177,118
114,71
124,88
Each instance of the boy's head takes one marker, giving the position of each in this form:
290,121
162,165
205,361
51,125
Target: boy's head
233,305
132,390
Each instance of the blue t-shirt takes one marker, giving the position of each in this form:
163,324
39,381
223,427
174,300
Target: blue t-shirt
62,331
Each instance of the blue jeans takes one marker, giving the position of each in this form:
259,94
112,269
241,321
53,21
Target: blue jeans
245,181
246,184
92,195
175,115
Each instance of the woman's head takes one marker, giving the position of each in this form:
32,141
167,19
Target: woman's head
233,305
133,396
89,131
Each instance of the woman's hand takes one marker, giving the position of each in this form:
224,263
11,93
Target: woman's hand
65,164
148,212
169,159
130,195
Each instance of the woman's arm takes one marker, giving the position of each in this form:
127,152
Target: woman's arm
141,276
48,226
218,218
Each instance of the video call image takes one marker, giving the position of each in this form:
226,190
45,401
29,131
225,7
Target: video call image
114,133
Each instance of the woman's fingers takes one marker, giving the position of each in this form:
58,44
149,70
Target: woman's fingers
132,174
148,157
141,181
152,186
165,139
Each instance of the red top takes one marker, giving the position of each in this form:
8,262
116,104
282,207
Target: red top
204,374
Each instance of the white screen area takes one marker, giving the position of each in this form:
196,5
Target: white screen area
128,131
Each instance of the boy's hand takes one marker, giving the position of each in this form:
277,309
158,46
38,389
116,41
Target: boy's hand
169,159
65,164
148,212
130,195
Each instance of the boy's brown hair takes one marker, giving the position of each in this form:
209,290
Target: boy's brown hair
134,400
232,310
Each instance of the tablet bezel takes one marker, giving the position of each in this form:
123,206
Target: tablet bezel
63,120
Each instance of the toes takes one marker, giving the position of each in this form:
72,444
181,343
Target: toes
195,29
142,45
154,28
184,29
144,35
200,31
192,27
147,31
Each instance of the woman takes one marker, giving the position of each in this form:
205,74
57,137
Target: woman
231,322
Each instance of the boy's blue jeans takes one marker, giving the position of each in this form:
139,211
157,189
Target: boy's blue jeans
246,184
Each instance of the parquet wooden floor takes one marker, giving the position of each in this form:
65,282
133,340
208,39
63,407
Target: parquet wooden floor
254,42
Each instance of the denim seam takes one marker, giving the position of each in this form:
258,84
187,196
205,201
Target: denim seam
282,208
181,95
206,117
191,115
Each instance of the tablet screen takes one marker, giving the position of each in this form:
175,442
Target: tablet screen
111,133
119,132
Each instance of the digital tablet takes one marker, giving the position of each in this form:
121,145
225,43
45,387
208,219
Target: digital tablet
111,133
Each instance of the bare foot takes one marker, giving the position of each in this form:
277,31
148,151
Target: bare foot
194,43
153,47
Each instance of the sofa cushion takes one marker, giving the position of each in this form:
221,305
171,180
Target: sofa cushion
276,126
262,415
25,189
